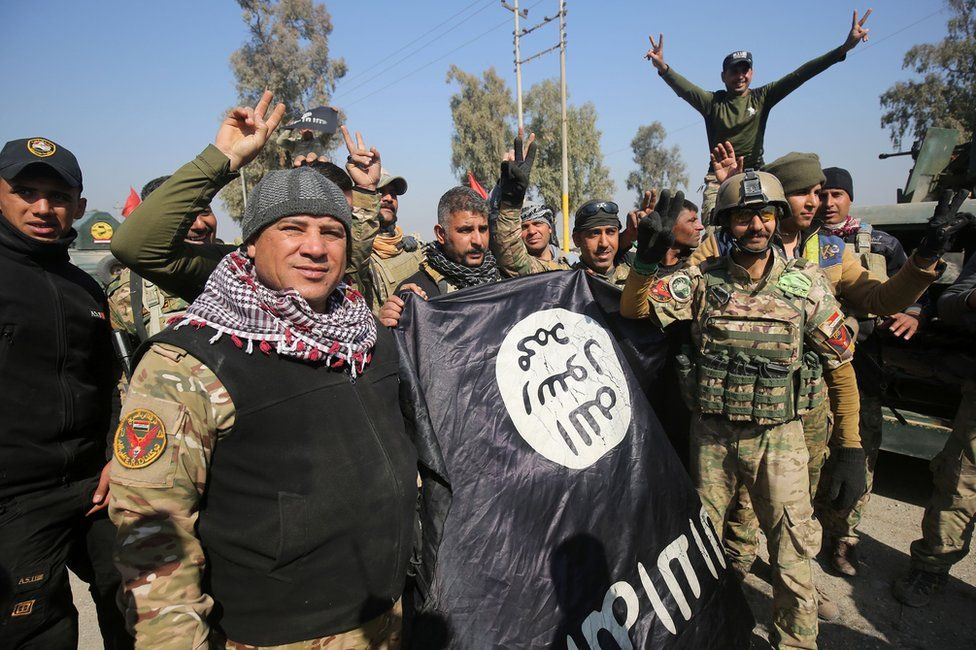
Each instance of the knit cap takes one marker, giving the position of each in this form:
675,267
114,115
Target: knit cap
287,192
837,178
796,171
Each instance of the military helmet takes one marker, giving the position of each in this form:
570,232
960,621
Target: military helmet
748,189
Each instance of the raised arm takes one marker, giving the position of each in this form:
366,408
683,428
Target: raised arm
151,240
700,100
783,87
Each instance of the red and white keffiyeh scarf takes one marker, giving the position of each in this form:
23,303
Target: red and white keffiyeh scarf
236,303
849,227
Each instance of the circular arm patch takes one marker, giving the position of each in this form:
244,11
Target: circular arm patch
140,439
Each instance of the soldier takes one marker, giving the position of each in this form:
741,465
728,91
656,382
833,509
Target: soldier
882,255
129,293
597,234
458,257
522,235
739,113
762,328
57,373
149,240
947,526
395,256
275,397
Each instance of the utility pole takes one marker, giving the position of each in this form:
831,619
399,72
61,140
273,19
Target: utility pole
562,94
561,46
514,8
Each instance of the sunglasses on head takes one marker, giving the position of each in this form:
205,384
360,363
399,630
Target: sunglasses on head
591,209
743,216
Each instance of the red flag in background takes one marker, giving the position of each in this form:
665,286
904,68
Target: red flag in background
476,186
131,203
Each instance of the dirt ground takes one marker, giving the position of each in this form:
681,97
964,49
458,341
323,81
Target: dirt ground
871,617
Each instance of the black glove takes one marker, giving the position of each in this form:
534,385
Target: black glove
514,180
654,235
848,477
944,224
409,243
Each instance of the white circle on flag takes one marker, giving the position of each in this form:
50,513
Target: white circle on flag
563,387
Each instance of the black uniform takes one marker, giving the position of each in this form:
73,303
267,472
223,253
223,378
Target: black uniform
57,374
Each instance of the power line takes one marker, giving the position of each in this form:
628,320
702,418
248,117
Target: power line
432,62
348,90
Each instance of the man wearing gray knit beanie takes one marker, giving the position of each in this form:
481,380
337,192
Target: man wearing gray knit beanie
275,396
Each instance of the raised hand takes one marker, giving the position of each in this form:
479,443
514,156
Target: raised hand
656,54
654,235
946,221
516,170
362,164
245,131
724,161
302,161
857,33
629,235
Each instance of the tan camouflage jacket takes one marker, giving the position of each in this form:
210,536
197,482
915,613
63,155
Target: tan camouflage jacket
653,297
617,276
509,250
120,306
175,413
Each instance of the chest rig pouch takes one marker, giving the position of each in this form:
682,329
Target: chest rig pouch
750,365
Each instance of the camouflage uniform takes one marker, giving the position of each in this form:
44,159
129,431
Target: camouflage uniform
510,252
741,378
947,526
157,305
618,274
155,507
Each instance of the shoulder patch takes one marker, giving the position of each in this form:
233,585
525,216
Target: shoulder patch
140,439
679,286
147,441
830,324
831,249
660,292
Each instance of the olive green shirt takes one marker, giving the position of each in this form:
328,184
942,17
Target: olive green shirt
151,239
741,119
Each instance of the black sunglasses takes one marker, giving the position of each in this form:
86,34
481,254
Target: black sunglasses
591,209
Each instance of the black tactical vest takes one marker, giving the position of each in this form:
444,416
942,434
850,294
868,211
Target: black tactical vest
308,515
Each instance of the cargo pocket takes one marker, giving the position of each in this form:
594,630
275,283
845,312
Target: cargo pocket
810,393
712,371
31,595
739,390
805,533
774,401
292,534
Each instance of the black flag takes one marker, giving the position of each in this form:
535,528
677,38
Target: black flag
554,511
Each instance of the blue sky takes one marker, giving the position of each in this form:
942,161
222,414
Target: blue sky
135,89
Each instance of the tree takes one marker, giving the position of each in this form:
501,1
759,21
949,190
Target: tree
945,95
657,166
589,178
483,112
287,53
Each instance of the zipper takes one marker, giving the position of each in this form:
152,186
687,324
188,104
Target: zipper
390,468
60,337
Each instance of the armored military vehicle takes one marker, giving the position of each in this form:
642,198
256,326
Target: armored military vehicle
90,251
921,378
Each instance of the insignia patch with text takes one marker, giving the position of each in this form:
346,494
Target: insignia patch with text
41,147
140,439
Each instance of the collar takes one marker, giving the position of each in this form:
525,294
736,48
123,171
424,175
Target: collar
17,242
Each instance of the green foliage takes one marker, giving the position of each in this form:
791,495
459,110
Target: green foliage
287,53
589,178
657,166
945,93
484,113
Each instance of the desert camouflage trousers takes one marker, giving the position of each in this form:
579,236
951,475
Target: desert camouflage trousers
841,525
770,463
710,187
947,525
381,633
742,527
